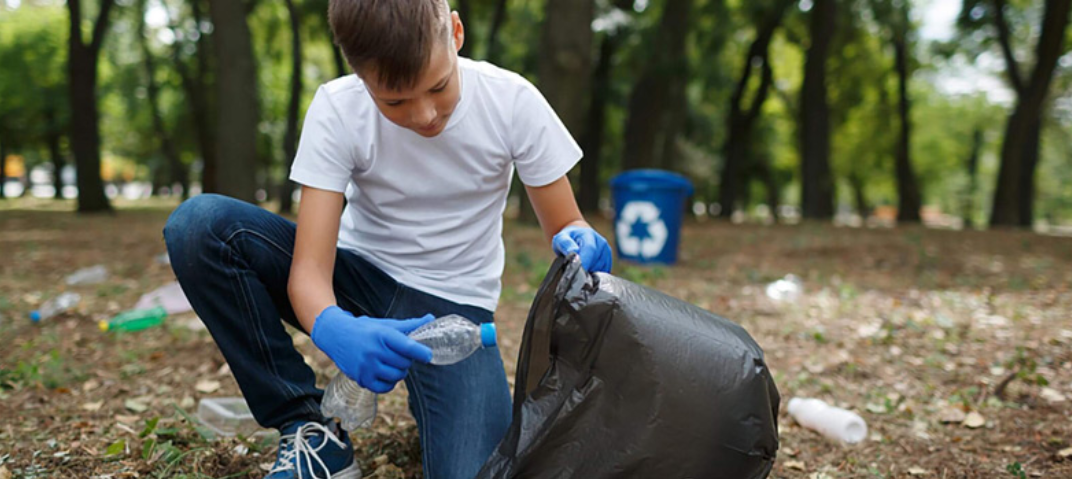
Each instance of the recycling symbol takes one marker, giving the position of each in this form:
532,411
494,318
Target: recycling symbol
641,230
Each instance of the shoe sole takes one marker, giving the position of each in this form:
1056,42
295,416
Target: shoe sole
352,472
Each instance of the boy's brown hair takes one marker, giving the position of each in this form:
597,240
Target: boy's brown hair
391,38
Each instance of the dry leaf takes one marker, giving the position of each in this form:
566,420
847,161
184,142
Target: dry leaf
92,406
90,385
4,473
795,465
951,415
135,405
187,402
918,471
1052,395
207,386
1065,453
974,420
127,419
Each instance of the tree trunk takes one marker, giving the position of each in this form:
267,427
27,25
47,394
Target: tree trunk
649,100
856,182
1032,145
176,170
290,139
907,187
237,116
1019,151
740,120
565,66
82,85
197,93
466,15
973,168
54,135
591,185
497,21
3,167
818,189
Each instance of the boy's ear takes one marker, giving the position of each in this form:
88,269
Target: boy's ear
457,31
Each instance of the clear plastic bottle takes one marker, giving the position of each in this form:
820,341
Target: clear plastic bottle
452,338
833,422
90,275
54,306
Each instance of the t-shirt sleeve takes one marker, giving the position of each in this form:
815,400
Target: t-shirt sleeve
324,159
541,146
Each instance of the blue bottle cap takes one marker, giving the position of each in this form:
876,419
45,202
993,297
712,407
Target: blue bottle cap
35,315
487,334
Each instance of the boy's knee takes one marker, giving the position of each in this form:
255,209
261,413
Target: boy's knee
193,216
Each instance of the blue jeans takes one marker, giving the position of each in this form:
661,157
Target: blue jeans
233,260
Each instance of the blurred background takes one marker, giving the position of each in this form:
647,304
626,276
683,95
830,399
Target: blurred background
881,196
954,113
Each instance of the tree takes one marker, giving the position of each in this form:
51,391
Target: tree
290,139
238,113
1015,193
657,100
741,119
176,169
895,15
196,86
82,83
817,200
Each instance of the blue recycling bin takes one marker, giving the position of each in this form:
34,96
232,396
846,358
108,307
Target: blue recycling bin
648,208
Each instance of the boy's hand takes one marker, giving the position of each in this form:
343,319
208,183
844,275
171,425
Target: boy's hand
588,244
376,353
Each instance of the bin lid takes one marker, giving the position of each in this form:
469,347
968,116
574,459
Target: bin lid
651,178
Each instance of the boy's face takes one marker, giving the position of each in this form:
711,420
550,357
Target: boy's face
425,108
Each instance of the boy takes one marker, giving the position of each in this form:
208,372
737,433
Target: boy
405,169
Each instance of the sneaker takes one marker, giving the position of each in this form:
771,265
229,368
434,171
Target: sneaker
310,450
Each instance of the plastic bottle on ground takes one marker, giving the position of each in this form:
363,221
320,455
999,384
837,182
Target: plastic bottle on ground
135,320
451,338
788,289
830,421
57,305
90,275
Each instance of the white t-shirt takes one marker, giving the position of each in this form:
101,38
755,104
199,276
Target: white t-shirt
428,211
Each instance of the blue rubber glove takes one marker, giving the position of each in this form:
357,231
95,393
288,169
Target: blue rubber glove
588,244
376,353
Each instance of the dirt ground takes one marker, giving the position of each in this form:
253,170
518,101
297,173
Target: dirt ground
956,347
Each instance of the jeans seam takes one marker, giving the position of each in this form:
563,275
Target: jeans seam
258,331
425,426
394,297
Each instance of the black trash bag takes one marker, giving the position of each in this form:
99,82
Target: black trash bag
618,380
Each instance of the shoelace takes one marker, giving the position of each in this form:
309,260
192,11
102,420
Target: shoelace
302,450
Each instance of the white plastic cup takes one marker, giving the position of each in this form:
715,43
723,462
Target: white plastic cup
833,422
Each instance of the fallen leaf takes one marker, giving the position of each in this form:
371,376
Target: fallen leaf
92,406
135,405
1052,395
4,473
207,386
127,419
876,408
795,465
187,402
974,420
918,471
90,385
951,415
1065,453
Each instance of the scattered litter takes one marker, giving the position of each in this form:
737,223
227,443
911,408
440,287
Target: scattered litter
227,416
90,275
169,296
787,289
60,304
135,320
832,422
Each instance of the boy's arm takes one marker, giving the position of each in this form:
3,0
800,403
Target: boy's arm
310,285
564,226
